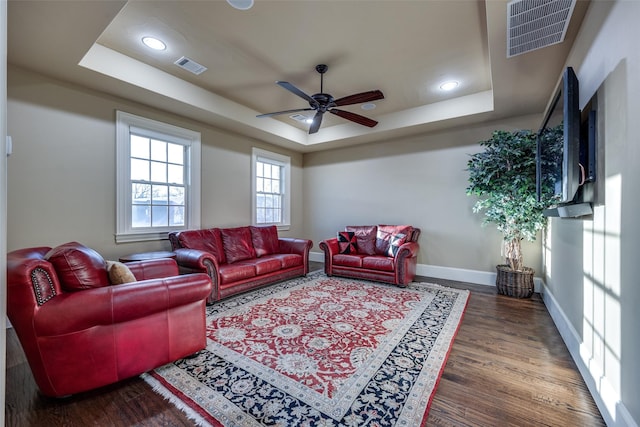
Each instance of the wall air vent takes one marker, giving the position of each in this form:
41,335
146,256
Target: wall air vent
534,24
190,65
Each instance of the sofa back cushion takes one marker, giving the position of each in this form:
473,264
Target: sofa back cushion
385,236
265,240
208,240
365,237
78,267
237,243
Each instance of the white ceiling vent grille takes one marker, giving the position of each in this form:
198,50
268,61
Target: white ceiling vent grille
299,117
534,24
190,65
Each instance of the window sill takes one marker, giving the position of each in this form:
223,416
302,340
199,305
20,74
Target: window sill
141,237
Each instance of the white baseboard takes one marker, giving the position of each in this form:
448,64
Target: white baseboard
605,396
449,273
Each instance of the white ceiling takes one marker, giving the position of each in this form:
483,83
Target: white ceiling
403,48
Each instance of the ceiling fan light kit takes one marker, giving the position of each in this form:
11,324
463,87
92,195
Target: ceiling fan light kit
323,102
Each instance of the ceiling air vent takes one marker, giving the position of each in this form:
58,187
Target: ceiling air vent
190,65
299,117
534,24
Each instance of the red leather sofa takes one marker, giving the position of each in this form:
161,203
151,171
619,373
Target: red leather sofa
241,258
80,332
383,253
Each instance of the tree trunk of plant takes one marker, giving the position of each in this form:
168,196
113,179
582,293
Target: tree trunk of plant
513,253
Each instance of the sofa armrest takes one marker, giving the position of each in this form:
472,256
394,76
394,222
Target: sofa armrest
195,259
153,268
289,245
81,310
330,248
407,250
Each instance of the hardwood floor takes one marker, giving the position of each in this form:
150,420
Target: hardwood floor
508,367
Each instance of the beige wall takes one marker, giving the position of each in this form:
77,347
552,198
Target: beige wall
420,181
61,176
591,266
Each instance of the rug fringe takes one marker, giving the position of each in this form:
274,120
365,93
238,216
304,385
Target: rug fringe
157,387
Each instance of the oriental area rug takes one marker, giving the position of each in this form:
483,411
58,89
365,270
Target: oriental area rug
318,351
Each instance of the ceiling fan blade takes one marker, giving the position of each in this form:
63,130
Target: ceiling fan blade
358,98
291,88
317,120
285,112
357,118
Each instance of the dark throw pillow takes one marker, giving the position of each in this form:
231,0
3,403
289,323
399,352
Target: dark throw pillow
366,237
394,244
347,242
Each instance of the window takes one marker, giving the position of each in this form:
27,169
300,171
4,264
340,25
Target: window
158,178
270,188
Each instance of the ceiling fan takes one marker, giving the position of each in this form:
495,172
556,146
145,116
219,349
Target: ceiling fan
324,102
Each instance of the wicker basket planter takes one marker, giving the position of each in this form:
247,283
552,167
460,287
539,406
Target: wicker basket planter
518,284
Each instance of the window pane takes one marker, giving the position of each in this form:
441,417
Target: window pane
158,172
176,196
260,185
160,216
175,154
260,216
175,174
268,215
140,216
140,194
158,150
160,195
267,186
275,172
176,216
259,169
139,147
267,171
139,170
260,200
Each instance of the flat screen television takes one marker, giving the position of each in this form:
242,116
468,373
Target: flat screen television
558,158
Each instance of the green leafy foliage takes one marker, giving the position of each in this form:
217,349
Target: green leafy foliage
503,177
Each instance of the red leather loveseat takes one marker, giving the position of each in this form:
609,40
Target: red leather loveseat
383,253
241,258
79,331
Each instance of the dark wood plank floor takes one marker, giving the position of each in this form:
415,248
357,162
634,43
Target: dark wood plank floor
508,367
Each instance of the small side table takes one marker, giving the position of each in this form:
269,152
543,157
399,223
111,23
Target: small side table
142,256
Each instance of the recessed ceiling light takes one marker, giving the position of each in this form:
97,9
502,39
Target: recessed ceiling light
241,4
154,43
450,85
368,106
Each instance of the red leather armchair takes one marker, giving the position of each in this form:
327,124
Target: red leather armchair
80,332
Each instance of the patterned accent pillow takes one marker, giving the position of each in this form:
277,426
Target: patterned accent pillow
347,242
394,244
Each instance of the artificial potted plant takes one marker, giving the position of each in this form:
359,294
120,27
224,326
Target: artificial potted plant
503,177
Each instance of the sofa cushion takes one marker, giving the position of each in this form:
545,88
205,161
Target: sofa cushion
230,273
289,260
78,267
237,244
382,263
348,260
386,232
365,236
267,264
347,242
265,240
208,240
119,273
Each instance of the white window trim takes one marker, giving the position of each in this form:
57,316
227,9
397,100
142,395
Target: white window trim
124,123
256,154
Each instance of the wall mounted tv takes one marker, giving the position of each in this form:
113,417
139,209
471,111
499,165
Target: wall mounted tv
565,158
